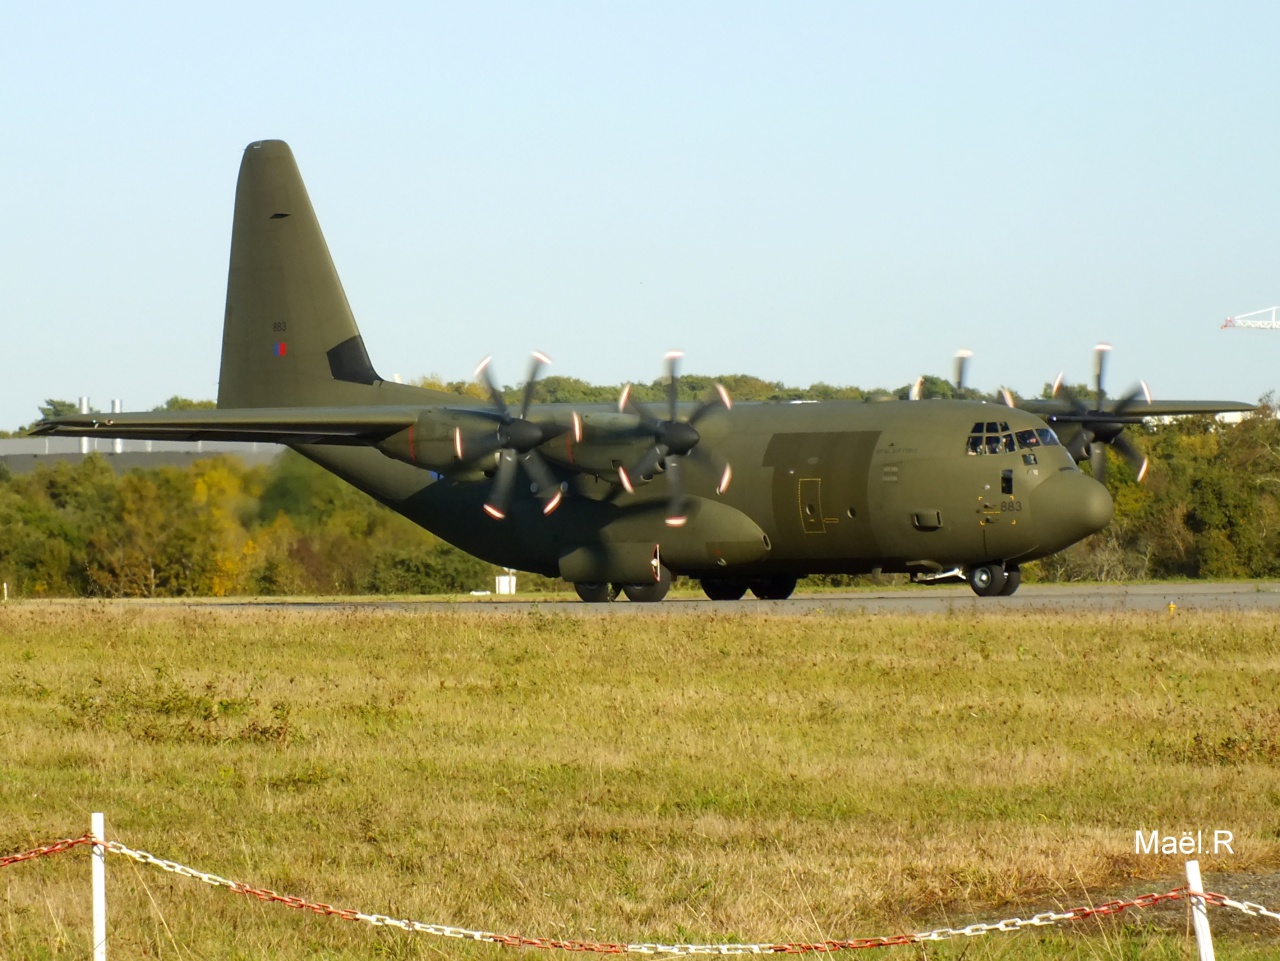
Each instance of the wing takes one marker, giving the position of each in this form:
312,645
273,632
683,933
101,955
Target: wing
1060,408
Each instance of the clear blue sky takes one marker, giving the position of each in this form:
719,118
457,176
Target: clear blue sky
843,192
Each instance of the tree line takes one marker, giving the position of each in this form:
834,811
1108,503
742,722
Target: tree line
1209,508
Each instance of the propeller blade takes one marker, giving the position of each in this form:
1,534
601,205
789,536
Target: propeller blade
544,482
472,448
1099,364
720,399
539,359
916,389
676,514
962,362
715,464
1137,460
1130,399
648,464
673,382
485,377
1098,462
503,481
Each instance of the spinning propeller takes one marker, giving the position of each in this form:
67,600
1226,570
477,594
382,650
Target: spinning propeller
515,441
673,440
1098,427
916,392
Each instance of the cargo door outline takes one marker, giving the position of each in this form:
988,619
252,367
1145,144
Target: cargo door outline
809,500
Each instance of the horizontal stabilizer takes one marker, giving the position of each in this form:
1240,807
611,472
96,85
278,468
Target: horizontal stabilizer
353,426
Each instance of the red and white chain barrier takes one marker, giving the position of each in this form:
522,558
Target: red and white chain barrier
1044,919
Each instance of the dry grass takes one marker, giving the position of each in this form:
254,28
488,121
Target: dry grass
691,777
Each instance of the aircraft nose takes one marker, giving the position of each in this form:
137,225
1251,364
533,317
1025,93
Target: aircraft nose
1068,507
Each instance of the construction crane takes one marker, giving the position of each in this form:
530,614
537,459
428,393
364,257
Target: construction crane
1265,319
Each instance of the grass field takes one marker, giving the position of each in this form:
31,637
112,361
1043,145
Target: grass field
704,777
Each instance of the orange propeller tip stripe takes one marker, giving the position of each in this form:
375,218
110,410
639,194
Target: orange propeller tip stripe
493,512
725,478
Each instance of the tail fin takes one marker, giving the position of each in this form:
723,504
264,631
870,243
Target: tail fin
289,338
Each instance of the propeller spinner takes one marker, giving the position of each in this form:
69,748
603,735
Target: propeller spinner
674,439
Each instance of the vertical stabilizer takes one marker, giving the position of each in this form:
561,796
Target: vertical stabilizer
289,338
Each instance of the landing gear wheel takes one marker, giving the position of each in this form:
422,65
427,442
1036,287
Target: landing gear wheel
775,587
596,593
988,580
723,588
649,593
1013,577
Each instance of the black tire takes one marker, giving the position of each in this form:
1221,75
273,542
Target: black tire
594,593
724,588
775,587
988,580
1012,579
649,593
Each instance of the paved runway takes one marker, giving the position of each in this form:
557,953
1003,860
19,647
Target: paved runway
1188,596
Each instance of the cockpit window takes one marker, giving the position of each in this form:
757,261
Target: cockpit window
992,437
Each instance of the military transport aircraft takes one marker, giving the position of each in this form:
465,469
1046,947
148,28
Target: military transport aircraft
745,497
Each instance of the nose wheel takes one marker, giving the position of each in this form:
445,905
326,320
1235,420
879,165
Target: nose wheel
993,580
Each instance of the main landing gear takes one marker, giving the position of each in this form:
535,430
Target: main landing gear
994,580
603,593
775,587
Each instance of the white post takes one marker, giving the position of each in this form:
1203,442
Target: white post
117,445
1199,916
99,890
83,407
